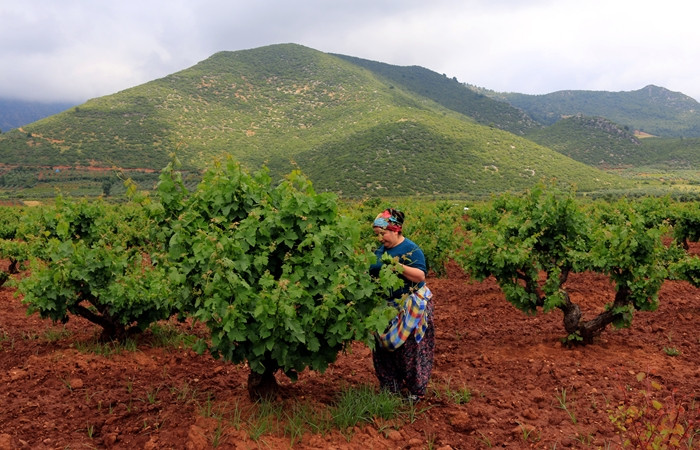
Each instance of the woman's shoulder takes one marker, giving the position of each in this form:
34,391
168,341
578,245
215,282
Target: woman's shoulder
409,245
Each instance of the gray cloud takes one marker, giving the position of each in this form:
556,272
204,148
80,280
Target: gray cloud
78,49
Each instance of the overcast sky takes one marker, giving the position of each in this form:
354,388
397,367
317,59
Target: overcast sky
74,50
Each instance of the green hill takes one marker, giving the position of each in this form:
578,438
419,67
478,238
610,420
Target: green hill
604,144
595,141
285,106
453,95
679,153
654,110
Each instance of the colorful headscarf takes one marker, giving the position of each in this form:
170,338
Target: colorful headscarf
387,221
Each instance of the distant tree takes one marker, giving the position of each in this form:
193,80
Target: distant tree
107,187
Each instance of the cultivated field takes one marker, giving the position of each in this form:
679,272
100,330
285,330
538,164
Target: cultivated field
527,391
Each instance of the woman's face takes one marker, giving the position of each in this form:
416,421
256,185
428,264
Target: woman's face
387,238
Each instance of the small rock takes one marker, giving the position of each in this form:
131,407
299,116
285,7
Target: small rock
371,432
196,439
539,398
567,442
554,420
111,419
109,439
17,374
460,421
415,442
5,442
522,429
76,383
530,414
394,436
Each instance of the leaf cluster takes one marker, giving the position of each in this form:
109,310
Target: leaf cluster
654,419
531,243
515,237
90,259
274,271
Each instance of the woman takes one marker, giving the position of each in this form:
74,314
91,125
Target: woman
403,358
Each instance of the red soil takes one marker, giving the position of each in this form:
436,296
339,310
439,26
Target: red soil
52,395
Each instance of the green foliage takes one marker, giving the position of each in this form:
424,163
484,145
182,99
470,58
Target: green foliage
91,261
687,268
11,247
518,238
685,220
565,405
9,221
433,225
652,418
672,351
363,405
274,271
672,153
630,252
457,395
601,143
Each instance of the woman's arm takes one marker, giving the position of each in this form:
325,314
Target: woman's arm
413,274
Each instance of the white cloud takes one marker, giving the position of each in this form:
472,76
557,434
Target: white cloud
78,49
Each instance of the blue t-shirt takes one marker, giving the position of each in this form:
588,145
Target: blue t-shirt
410,255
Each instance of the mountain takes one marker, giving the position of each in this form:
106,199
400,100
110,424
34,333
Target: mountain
348,128
453,95
591,139
652,109
15,113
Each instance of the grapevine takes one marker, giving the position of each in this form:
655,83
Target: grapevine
546,232
89,261
275,272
